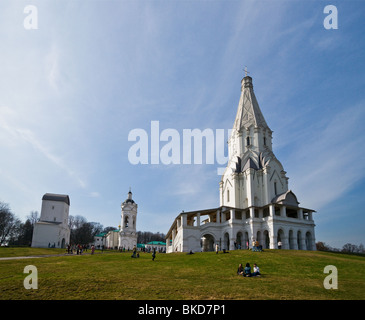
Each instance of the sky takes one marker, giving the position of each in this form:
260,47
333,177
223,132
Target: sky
80,76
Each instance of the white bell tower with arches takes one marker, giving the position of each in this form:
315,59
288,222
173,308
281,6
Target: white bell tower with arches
128,231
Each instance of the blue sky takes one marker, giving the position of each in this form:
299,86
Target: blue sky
73,89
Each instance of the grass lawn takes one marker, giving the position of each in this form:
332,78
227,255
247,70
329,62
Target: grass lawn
28,251
287,274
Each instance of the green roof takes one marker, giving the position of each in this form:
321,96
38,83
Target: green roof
160,243
105,233
100,234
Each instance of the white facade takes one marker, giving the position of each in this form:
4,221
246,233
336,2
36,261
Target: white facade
52,230
255,202
99,241
112,239
128,232
159,246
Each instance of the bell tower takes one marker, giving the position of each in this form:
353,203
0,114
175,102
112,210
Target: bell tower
128,231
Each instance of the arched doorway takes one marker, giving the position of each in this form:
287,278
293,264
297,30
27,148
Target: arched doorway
266,239
239,240
207,243
291,239
226,241
247,243
258,238
299,240
308,241
63,243
280,239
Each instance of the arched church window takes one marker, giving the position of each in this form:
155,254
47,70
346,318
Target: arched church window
264,141
227,195
248,141
275,188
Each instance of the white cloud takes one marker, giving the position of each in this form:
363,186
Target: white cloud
12,132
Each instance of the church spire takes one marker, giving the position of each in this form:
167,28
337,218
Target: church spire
248,112
130,194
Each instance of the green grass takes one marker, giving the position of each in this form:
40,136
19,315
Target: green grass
286,275
28,251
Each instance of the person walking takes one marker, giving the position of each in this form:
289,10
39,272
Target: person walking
154,254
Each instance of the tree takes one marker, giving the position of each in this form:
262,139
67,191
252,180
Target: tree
348,247
83,232
75,222
321,246
96,228
24,234
107,229
33,217
361,248
147,236
9,224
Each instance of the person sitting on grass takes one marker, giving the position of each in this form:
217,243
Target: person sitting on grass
240,270
247,271
256,271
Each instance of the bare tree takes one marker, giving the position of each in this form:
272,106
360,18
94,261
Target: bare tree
23,234
107,229
147,236
349,247
9,224
33,217
83,232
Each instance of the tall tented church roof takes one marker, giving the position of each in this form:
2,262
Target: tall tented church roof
57,197
248,112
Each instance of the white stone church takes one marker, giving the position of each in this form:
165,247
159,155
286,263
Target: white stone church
255,201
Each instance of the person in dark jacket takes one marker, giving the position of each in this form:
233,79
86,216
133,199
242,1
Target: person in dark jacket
247,270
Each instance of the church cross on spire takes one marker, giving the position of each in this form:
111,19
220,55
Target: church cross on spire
246,72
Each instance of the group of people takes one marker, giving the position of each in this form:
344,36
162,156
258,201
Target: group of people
79,249
136,254
255,246
246,271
